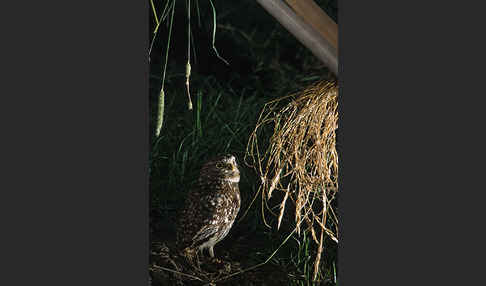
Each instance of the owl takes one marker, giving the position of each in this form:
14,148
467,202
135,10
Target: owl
211,206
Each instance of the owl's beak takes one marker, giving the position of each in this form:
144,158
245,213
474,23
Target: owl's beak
235,174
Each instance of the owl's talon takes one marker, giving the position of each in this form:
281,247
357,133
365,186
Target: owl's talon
215,260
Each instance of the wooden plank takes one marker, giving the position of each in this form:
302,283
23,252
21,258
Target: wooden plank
317,18
320,46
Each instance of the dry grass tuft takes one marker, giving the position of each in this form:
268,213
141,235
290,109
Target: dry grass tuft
301,160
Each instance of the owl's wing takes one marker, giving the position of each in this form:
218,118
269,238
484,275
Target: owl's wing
205,233
199,220
212,206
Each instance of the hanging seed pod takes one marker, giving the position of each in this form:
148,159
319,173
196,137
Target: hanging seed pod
160,116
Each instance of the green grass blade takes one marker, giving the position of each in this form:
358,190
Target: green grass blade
155,12
214,33
162,18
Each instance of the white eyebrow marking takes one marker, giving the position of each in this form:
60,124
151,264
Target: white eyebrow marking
231,159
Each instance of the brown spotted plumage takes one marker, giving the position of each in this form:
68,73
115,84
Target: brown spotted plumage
211,206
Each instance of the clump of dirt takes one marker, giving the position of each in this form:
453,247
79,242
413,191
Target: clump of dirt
168,267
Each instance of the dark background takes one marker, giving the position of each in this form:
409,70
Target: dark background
75,140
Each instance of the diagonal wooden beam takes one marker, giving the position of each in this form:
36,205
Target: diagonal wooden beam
320,46
312,14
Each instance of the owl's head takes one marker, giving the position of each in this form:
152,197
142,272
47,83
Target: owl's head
222,167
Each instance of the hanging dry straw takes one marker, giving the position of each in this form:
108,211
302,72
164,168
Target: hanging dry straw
300,160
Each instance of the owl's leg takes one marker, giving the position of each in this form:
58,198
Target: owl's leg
197,262
211,251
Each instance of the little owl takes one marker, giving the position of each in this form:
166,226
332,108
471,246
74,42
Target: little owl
211,206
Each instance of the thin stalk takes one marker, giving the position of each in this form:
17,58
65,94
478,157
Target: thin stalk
162,94
214,33
188,65
155,12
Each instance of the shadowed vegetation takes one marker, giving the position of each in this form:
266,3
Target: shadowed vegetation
265,63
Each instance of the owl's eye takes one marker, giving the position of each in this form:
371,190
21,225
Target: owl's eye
223,166
219,165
